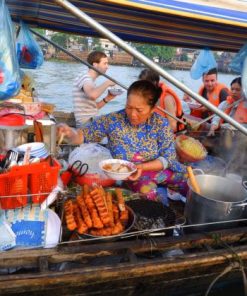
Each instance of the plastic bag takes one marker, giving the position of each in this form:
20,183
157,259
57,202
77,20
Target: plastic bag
203,63
91,154
29,53
7,238
238,61
10,80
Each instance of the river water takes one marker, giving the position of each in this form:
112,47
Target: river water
54,80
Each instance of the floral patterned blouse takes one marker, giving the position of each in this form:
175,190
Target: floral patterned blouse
141,143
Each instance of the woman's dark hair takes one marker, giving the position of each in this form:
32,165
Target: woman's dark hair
237,80
150,75
147,89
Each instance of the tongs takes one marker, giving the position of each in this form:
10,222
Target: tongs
10,158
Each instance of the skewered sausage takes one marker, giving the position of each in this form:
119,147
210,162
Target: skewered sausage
99,199
69,217
120,199
84,211
81,225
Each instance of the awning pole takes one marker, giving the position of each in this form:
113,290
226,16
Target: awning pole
119,42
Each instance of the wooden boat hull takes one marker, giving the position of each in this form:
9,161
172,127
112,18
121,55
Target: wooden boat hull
132,267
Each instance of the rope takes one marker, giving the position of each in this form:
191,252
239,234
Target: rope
224,272
244,280
233,265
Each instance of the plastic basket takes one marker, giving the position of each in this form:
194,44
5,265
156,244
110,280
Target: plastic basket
43,179
188,156
14,185
35,180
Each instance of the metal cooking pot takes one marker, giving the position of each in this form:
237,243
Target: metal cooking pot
221,199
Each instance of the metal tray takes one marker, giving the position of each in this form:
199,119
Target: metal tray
131,223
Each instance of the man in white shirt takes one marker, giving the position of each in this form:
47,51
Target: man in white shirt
86,93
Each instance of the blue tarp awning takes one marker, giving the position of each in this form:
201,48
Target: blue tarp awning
167,22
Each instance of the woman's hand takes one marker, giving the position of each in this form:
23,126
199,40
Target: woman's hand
137,174
64,130
75,137
187,98
212,130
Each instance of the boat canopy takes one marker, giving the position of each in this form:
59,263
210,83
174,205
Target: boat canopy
194,24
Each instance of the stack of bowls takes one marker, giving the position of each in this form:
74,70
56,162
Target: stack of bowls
38,149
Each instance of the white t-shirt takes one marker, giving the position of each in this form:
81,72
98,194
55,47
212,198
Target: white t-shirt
84,107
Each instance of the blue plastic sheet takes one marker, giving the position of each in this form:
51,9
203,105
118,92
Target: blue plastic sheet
10,80
238,61
203,63
29,225
29,53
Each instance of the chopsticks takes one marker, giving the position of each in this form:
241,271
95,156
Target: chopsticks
27,155
60,139
193,181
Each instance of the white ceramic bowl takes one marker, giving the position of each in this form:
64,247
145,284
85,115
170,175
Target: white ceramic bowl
117,175
115,91
35,146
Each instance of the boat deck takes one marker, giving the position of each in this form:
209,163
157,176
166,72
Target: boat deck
141,265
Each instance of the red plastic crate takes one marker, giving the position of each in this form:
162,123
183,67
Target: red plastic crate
43,180
27,179
13,184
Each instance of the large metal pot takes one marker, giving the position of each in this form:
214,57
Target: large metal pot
221,199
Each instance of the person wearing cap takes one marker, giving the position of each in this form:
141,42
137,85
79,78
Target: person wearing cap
211,90
85,91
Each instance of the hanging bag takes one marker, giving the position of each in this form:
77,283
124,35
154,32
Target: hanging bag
237,62
10,80
29,53
203,63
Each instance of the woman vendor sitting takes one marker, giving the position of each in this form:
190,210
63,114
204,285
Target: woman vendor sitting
139,135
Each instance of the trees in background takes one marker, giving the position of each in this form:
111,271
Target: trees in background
157,53
163,53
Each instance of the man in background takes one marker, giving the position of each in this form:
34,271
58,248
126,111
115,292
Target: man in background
211,90
85,91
